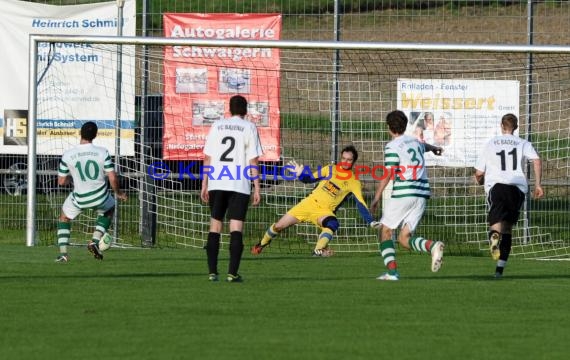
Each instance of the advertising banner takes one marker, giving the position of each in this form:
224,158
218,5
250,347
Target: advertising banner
199,81
458,115
79,80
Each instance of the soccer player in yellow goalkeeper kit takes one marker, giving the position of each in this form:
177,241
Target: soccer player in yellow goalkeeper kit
335,183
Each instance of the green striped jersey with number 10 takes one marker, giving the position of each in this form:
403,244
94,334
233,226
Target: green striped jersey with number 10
87,165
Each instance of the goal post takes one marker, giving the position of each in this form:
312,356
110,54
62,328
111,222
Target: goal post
328,95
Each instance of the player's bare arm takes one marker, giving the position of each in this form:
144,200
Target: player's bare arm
378,194
254,173
537,167
114,181
204,192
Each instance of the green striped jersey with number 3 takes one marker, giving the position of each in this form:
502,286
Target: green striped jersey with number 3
404,156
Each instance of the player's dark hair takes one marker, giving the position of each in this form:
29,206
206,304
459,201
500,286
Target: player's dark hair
89,131
238,105
352,149
397,121
510,121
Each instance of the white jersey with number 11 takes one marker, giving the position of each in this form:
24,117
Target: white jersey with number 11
503,159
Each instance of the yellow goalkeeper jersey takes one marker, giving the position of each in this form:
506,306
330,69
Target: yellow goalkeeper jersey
335,184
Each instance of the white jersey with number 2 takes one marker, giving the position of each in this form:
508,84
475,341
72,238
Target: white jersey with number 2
231,144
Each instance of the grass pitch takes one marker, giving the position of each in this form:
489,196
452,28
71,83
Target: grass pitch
158,304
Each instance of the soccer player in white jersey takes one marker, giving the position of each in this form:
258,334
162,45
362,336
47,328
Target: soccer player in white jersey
88,166
404,156
500,169
232,146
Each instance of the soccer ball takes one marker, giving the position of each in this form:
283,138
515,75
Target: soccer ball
105,242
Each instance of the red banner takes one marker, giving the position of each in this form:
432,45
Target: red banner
199,81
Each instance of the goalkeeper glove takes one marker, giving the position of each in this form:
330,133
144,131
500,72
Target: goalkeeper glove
297,169
375,224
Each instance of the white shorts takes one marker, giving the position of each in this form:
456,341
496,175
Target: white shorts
72,211
403,211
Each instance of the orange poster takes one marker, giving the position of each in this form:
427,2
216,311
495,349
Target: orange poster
199,81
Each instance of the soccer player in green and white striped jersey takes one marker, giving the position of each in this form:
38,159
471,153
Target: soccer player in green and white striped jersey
88,166
404,157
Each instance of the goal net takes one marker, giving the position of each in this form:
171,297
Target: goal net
309,100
